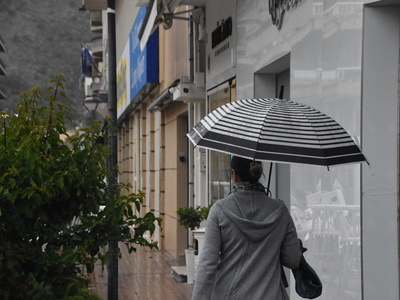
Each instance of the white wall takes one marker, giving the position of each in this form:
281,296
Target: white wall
380,144
324,40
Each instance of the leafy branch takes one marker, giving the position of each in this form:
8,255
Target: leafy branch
51,190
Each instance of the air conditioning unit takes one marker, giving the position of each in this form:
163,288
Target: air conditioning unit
188,92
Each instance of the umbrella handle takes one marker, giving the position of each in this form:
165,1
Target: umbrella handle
269,179
281,92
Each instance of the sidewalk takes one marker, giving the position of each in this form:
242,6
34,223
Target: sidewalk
144,275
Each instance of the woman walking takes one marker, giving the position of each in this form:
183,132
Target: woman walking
248,236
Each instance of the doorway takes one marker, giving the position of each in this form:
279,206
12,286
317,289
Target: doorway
267,84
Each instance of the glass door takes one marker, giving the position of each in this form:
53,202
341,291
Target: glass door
219,163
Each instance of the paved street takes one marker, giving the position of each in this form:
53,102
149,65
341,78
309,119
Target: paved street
144,275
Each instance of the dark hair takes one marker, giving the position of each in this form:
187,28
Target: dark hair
248,170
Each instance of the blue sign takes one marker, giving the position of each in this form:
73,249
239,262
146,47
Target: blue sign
143,65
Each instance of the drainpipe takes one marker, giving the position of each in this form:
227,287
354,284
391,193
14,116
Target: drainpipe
112,107
190,168
190,47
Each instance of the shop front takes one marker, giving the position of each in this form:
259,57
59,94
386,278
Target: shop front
329,55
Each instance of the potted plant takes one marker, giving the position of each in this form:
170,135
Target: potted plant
191,218
205,210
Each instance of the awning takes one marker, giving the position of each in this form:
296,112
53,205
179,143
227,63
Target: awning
137,100
180,90
164,99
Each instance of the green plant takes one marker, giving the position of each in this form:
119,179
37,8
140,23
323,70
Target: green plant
84,294
51,223
205,210
190,217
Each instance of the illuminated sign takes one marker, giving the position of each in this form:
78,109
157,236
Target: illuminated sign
137,71
123,80
143,65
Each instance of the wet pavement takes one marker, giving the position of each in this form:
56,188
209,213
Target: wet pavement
144,275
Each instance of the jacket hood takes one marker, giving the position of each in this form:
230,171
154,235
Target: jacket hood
256,230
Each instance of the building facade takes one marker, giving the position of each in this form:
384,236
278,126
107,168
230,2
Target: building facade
330,55
341,57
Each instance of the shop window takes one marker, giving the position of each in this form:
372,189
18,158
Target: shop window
219,180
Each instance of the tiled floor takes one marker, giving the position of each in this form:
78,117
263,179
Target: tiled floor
144,275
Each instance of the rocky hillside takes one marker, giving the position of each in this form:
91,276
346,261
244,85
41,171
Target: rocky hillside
42,38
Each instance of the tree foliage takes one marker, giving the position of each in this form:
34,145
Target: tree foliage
51,189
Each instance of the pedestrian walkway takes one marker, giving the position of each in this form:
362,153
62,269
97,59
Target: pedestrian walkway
144,275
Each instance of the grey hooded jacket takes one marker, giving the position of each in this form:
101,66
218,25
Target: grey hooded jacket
248,236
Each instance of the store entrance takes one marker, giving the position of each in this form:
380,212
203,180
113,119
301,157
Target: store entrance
268,82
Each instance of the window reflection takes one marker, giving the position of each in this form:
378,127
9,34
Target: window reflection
219,175
219,163
326,210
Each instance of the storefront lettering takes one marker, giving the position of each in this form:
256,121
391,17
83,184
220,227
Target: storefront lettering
222,32
222,49
138,79
277,9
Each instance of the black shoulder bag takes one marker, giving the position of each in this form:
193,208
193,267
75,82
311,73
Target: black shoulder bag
308,284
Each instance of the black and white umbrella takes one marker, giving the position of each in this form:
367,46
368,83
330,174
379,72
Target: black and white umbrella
276,130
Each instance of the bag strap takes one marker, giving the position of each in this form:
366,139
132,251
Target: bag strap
283,277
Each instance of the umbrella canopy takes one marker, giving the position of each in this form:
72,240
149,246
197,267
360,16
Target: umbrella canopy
276,130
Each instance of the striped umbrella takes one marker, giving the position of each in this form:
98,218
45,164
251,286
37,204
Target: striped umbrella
276,130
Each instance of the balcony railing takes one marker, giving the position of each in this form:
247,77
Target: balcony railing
96,21
97,48
96,18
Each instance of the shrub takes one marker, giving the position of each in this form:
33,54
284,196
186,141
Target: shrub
191,217
51,223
